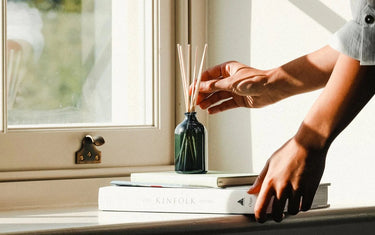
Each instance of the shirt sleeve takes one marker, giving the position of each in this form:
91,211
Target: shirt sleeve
371,3
357,37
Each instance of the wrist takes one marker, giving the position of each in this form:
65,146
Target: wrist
282,83
312,139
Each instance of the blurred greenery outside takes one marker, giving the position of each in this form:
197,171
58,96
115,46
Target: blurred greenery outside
55,80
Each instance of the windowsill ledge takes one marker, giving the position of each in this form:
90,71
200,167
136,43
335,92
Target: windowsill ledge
89,220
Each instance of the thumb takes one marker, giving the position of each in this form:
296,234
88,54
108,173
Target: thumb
255,188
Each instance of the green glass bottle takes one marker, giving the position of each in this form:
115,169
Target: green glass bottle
190,146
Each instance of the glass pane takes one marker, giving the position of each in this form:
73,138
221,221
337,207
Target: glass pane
79,63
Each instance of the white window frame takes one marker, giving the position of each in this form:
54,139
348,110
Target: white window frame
45,158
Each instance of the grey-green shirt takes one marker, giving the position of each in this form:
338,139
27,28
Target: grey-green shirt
357,37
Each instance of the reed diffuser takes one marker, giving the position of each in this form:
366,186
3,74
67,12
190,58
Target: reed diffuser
190,135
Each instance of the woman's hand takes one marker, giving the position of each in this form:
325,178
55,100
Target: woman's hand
294,171
233,85
291,174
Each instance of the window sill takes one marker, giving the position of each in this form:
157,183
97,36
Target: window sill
90,220
63,188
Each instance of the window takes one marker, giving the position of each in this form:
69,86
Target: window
77,63
42,145
98,67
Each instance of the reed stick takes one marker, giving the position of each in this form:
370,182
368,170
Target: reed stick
199,76
192,106
183,74
189,79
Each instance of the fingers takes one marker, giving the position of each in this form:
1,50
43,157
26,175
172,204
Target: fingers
231,78
278,207
215,73
210,81
269,193
214,98
213,85
218,78
278,196
255,188
229,104
262,203
264,197
308,197
294,202
306,203
211,92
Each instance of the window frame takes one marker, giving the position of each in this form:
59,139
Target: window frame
29,158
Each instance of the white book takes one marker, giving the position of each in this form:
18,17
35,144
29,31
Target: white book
213,179
231,200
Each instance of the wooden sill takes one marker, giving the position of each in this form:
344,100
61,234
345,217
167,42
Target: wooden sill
89,220
60,188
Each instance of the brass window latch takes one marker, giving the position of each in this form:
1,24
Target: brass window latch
88,152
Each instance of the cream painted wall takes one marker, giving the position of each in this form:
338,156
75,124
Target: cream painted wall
228,39
299,30
265,34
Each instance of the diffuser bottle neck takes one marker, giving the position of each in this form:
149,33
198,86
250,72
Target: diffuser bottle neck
191,116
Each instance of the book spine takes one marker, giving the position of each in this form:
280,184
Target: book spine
179,179
176,200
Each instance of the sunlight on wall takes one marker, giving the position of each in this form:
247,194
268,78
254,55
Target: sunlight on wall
228,39
282,31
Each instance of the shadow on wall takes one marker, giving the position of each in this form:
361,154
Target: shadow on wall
321,13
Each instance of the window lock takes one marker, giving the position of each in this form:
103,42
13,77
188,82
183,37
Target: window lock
89,153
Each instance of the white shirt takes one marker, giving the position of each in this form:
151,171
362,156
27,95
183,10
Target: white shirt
357,37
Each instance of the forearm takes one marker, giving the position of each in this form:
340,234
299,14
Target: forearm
253,88
349,88
304,74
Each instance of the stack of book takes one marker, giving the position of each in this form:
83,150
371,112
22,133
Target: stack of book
213,192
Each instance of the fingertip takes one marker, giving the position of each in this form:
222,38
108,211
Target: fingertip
261,207
307,202
260,216
261,220
294,202
202,106
253,189
212,111
278,206
306,205
278,218
305,208
293,212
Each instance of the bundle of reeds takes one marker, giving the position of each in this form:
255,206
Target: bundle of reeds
190,79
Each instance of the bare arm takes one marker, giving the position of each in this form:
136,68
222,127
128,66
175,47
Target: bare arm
309,72
294,171
244,86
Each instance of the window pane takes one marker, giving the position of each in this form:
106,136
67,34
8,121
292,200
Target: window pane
78,63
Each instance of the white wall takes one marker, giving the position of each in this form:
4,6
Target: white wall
281,30
228,39
275,40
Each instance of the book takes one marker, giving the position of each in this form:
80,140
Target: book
135,184
230,200
214,179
